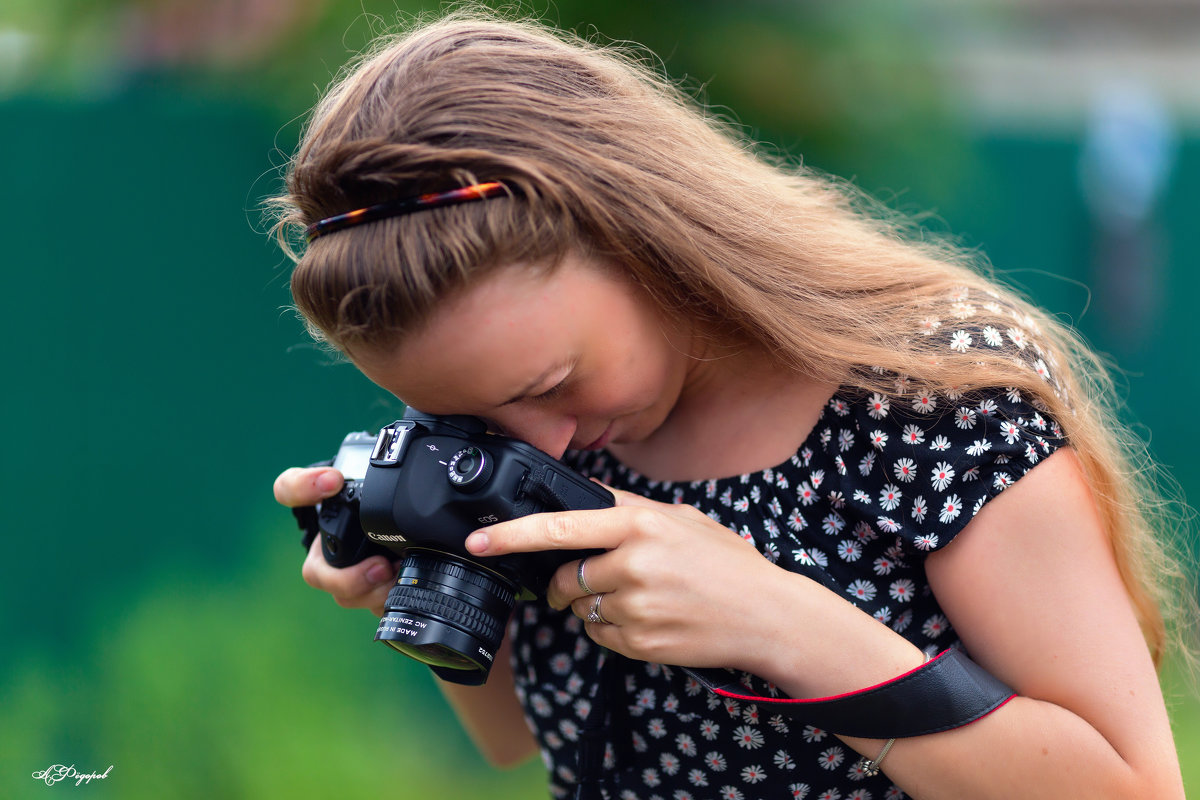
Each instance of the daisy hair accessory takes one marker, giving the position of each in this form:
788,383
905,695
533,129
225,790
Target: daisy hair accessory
407,205
946,692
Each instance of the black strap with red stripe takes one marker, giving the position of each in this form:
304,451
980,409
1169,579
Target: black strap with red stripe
946,692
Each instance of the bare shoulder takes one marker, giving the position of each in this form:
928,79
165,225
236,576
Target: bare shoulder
1033,568
1032,588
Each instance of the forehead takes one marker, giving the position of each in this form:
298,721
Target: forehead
496,336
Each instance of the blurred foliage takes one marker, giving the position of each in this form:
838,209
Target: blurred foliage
199,687
854,83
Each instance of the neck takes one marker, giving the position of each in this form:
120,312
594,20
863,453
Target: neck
739,411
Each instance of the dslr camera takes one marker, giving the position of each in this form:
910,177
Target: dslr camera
416,491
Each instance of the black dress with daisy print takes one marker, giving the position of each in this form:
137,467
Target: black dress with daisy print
880,483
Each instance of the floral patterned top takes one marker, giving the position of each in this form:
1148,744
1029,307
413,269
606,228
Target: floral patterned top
880,482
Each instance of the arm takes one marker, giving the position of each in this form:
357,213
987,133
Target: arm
1032,589
490,713
1030,585
492,716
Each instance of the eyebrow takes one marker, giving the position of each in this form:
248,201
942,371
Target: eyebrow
521,395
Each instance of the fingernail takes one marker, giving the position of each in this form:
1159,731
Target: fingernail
379,574
477,542
328,482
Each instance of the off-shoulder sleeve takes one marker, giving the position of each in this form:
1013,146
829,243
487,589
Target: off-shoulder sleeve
929,463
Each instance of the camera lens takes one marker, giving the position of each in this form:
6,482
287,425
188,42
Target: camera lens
469,468
447,613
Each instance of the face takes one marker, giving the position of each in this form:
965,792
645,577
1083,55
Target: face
573,358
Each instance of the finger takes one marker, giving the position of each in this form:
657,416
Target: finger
362,585
678,511
582,608
625,498
603,529
564,587
350,582
299,486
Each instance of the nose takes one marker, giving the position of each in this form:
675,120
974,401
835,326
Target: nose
549,432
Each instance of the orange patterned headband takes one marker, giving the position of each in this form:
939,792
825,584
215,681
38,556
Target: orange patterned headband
396,208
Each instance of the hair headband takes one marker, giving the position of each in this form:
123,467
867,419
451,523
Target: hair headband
397,208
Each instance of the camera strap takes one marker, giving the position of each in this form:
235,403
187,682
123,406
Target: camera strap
946,692
598,728
306,519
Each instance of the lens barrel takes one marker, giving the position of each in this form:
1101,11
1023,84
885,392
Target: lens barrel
448,613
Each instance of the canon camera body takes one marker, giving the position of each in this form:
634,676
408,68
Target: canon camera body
417,490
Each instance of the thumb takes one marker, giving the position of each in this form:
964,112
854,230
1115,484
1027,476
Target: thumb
625,498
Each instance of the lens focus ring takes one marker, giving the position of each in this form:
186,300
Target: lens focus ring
422,566
414,599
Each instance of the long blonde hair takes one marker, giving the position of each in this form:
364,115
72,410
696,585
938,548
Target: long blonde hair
606,156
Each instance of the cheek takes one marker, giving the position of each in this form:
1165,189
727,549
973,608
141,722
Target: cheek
641,385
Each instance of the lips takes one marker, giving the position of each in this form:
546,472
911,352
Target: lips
602,440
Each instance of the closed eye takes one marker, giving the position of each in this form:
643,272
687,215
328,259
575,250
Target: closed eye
563,372
550,393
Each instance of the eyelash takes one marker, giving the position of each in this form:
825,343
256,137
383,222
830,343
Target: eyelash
550,393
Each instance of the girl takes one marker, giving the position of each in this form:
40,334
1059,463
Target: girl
836,452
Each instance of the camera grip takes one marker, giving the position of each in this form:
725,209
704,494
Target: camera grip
559,491
343,542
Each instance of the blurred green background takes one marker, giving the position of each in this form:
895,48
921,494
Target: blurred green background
153,614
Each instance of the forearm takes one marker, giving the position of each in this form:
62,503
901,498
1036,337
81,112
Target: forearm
492,716
1027,748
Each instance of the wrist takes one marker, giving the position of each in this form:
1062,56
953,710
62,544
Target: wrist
810,642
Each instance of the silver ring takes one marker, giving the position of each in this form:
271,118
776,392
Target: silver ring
579,576
594,614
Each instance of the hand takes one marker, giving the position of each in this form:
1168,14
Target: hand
678,587
362,585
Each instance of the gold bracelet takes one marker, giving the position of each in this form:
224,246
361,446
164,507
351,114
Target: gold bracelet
870,767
